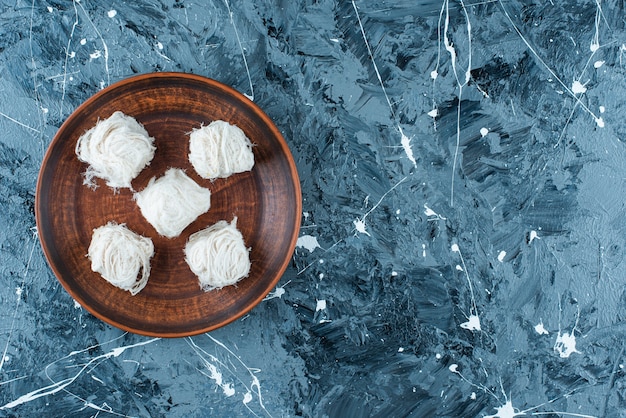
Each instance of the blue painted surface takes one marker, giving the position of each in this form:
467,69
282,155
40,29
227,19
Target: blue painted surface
484,278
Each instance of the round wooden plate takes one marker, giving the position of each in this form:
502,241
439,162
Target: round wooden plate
266,202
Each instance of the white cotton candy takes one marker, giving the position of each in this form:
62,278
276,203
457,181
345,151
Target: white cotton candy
172,202
116,149
218,255
121,256
219,150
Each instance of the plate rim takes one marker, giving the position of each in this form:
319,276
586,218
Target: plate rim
295,180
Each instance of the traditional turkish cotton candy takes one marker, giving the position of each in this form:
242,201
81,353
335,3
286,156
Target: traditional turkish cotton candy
121,256
218,255
116,149
172,202
219,150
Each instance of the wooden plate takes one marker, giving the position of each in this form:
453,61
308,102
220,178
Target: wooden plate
266,201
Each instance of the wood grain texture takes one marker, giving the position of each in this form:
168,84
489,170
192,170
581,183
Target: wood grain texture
266,201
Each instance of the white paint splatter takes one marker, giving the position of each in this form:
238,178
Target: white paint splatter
600,122
278,292
104,408
539,329
95,28
565,344
62,384
229,390
241,48
472,324
547,67
405,141
505,411
309,242
578,87
359,224
18,292
460,85
406,144
215,375
501,256
433,216
112,13
98,379
255,380
67,56
484,132
429,212
321,305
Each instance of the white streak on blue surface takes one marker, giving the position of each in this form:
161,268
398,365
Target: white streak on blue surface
243,54
60,385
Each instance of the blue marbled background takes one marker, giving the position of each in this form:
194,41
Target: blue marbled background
463,237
